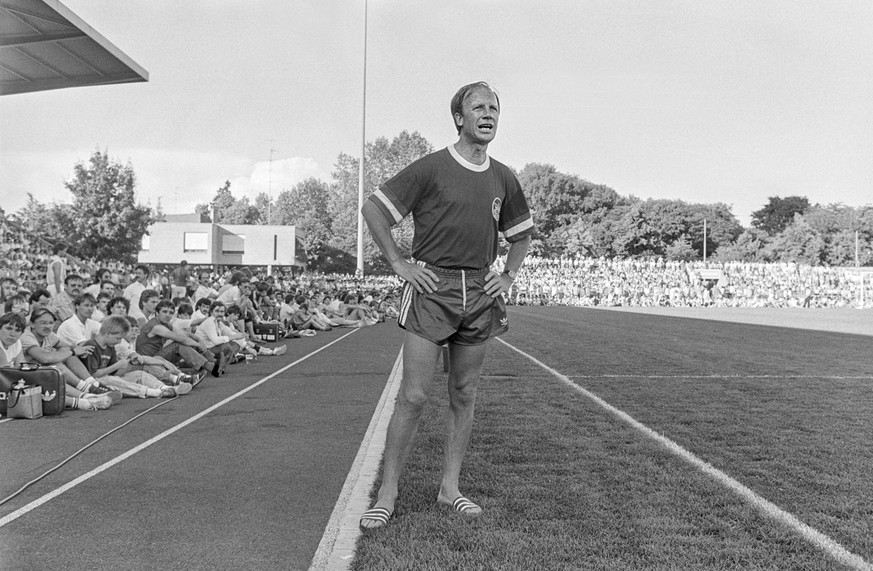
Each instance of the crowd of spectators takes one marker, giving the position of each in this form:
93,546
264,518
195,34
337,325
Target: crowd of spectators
123,330
588,282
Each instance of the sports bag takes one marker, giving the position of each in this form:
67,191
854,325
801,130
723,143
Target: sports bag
53,387
25,401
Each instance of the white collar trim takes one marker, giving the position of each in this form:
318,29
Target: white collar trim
467,164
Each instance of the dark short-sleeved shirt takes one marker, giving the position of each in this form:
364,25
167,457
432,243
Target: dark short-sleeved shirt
100,358
458,208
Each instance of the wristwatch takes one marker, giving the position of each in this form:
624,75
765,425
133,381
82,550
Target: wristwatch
511,274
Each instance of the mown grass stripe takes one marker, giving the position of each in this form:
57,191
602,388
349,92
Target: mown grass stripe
767,508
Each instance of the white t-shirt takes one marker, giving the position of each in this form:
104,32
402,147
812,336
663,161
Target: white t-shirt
73,331
10,355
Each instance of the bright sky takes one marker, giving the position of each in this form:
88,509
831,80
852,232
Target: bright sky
701,101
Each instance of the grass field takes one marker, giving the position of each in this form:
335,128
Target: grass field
567,483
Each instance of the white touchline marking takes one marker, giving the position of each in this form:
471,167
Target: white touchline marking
823,377
103,467
767,508
337,547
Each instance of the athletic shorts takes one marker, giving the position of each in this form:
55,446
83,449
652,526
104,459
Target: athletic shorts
458,312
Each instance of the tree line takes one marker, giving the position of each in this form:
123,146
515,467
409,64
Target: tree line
573,217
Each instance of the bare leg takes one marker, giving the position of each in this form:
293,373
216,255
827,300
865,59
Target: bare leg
419,364
466,367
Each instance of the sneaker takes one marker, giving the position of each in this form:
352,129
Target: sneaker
168,392
183,388
183,378
114,395
280,350
198,378
99,402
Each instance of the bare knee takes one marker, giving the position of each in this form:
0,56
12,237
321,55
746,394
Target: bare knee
463,396
414,399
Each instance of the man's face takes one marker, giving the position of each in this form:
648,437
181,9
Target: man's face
9,334
165,315
113,339
133,333
9,289
41,302
101,304
117,309
218,312
108,288
85,309
479,118
74,288
149,306
140,275
21,308
43,325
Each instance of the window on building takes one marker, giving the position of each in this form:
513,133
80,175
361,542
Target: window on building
196,241
233,244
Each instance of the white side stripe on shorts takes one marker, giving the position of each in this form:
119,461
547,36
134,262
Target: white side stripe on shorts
405,302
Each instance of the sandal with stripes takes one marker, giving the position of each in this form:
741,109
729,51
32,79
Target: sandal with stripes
378,516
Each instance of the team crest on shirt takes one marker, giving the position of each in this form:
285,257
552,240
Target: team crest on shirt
495,209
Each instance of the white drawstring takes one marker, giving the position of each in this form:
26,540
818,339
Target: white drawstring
464,286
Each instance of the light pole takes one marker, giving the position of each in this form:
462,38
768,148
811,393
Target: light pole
360,268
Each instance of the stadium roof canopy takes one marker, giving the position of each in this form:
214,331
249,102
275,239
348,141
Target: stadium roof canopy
44,45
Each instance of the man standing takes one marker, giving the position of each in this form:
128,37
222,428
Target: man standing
180,277
135,289
56,271
460,199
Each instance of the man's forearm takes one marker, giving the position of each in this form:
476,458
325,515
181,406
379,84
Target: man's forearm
381,232
517,252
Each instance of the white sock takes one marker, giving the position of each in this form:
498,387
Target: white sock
153,393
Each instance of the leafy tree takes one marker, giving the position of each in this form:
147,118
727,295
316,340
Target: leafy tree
106,220
306,207
222,203
204,210
241,212
748,247
799,242
384,159
778,213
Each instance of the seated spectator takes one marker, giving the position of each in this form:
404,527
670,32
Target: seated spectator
202,289
8,288
101,310
80,327
235,321
100,276
62,303
218,335
118,306
103,364
157,367
39,298
184,315
157,338
11,327
286,310
303,319
201,312
40,344
148,301
17,304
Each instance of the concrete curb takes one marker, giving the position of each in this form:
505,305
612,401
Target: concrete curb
337,547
